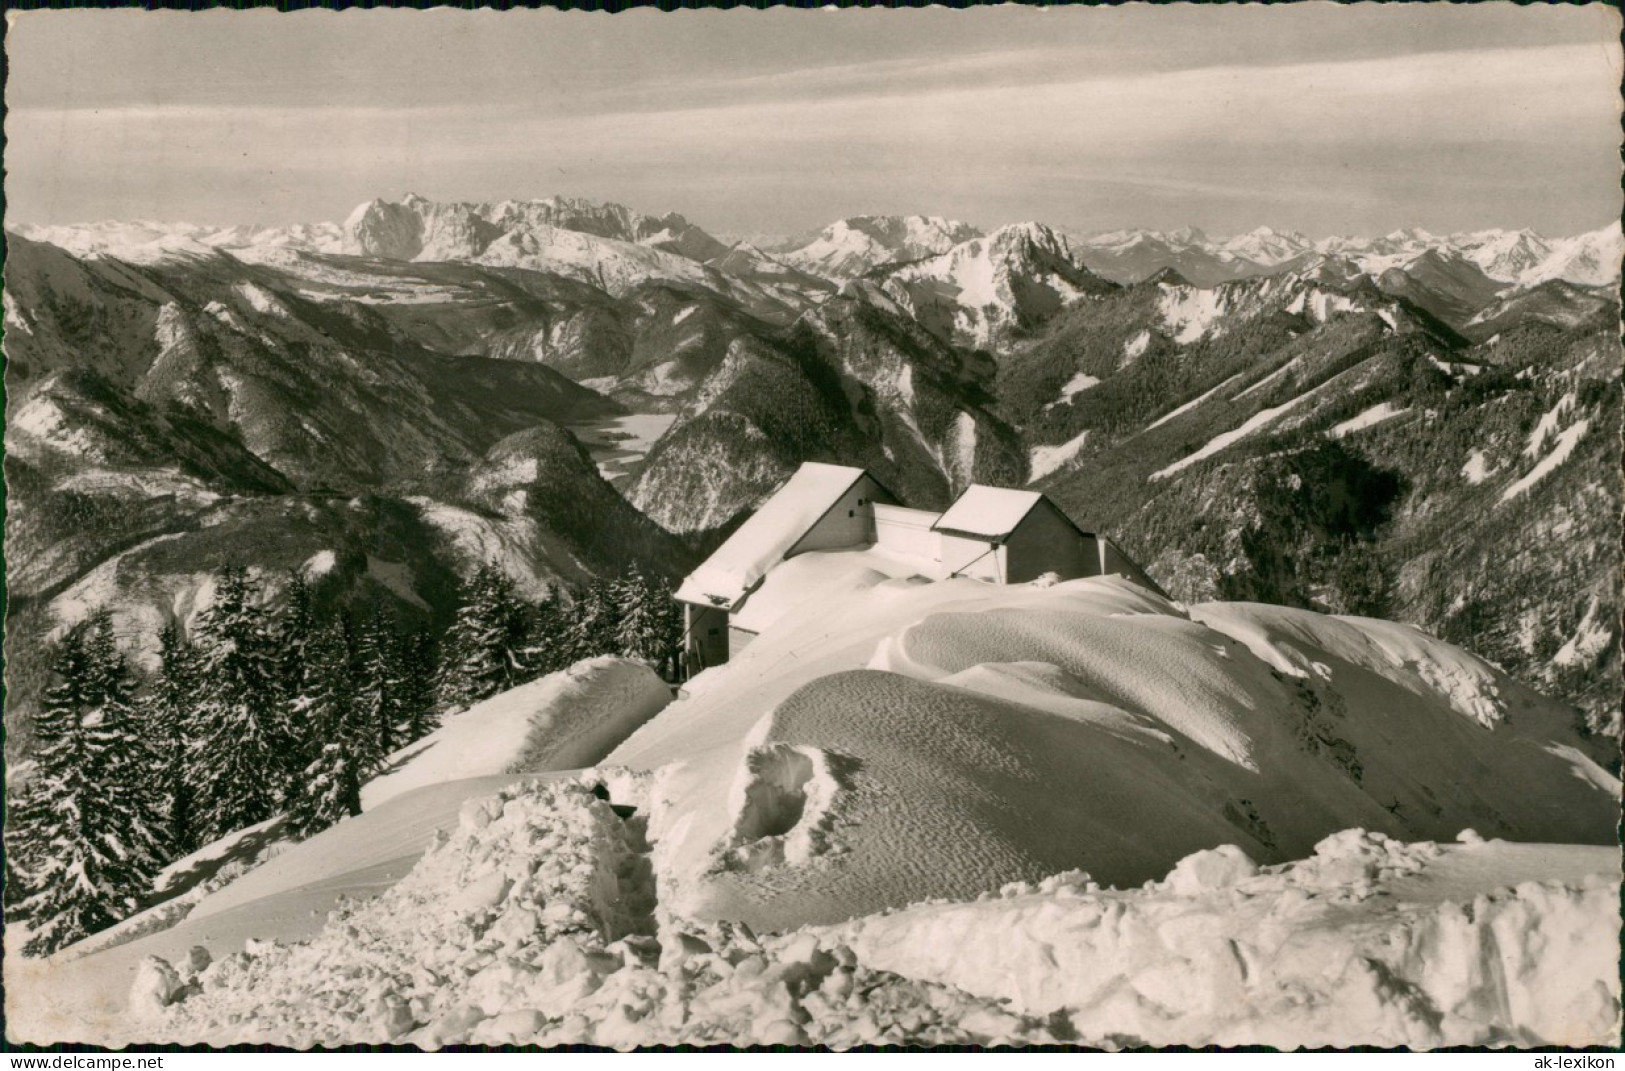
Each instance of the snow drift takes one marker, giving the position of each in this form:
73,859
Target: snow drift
562,721
1258,796
939,740
1357,945
534,922
254,884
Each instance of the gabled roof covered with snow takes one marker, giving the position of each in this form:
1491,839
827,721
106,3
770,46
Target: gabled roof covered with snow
761,542
987,512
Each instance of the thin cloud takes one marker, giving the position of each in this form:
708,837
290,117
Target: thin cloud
979,134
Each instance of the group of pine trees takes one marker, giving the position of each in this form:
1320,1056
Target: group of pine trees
499,639
261,712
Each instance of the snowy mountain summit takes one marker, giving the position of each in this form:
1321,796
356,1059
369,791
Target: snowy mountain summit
416,228
859,244
1015,277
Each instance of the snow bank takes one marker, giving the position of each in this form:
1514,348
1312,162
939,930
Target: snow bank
534,923
818,576
597,704
1189,313
1477,468
944,740
1345,948
977,734
1079,383
1566,441
565,720
1192,404
521,871
1219,442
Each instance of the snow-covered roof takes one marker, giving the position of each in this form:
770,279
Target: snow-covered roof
761,542
988,512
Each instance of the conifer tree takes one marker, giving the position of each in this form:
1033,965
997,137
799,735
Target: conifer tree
295,625
244,753
329,787
380,685
484,650
547,640
649,626
81,834
169,712
418,705
595,621
128,769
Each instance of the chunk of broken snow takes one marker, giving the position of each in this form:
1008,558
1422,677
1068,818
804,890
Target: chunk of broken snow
1477,469
1135,347
1217,868
157,985
320,564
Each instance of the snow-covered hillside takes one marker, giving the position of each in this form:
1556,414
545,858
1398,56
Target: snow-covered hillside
255,883
1256,770
839,743
1370,941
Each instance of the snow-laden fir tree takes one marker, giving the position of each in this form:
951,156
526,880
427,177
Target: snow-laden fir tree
483,652
168,713
343,742
130,768
547,641
650,626
418,703
380,686
244,754
594,621
81,836
295,625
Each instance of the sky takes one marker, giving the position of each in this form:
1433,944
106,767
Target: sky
1317,117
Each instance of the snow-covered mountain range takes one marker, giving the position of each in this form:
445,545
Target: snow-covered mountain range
1377,729
1516,258
187,380
416,228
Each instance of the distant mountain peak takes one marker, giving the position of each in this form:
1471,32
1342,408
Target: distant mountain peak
1169,277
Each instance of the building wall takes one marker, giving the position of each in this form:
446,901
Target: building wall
963,556
707,630
908,531
1122,565
738,640
849,523
1046,542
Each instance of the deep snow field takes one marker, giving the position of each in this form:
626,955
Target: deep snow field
929,813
